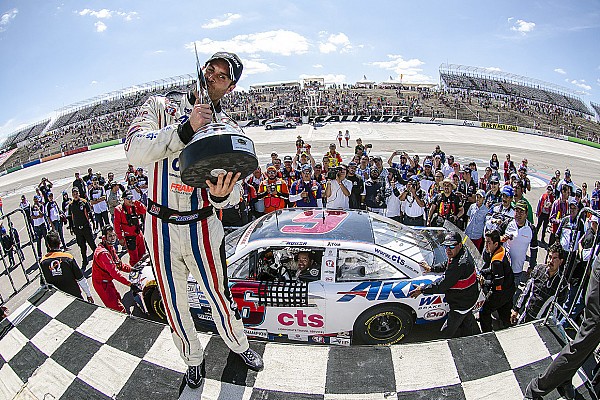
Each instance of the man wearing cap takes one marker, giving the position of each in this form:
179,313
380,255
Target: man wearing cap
501,212
97,196
497,281
80,212
567,229
403,167
114,195
519,191
129,223
446,205
439,152
337,191
183,233
333,157
357,194
476,215
38,217
80,184
273,190
142,183
519,235
288,173
413,203
302,158
466,189
364,169
560,208
306,192
525,182
566,181
493,195
427,177
56,217
459,284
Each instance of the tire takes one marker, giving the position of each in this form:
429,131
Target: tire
267,127
288,125
382,325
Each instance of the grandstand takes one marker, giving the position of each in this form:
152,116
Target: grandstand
467,93
477,79
596,108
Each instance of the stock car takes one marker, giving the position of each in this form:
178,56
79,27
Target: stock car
356,292
279,123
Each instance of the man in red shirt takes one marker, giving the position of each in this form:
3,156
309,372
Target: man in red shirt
108,266
274,191
129,220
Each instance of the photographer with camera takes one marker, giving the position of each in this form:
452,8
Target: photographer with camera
375,193
45,186
302,158
413,203
445,205
129,222
338,188
393,192
406,163
273,190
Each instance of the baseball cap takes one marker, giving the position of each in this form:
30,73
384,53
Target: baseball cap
331,144
75,190
287,158
508,190
452,239
127,195
467,169
494,179
114,183
235,64
567,172
352,164
318,165
414,178
306,167
521,205
549,187
573,201
480,192
271,168
377,158
427,163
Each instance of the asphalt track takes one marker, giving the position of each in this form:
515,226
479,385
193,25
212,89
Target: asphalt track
465,143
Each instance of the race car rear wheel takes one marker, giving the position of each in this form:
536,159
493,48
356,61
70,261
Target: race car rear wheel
268,126
385,324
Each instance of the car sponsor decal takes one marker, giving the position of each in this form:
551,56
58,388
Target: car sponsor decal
299,318
436,313
315,223
339,341
261,333
181,188
380,290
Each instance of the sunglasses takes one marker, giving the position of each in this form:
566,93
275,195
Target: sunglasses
451,247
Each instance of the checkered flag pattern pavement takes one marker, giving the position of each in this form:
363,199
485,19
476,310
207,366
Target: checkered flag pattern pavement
69,349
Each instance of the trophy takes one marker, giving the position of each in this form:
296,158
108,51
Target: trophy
218,147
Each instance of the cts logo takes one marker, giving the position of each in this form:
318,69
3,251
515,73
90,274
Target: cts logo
381,290
301,319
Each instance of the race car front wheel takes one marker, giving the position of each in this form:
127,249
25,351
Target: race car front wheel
385,324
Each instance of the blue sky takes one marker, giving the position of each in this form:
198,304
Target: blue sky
56,53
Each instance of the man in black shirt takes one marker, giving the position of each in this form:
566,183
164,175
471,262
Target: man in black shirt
357,194
81,213
61,270
79,183
459,284
445,205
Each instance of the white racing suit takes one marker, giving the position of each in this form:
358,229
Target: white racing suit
183,240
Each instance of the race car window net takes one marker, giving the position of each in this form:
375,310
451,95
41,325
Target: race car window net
283,294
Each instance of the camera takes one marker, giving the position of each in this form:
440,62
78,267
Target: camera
272,188
368,146
332,173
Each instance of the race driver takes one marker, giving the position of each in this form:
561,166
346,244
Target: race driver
191,241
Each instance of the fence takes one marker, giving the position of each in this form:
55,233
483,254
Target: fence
18,256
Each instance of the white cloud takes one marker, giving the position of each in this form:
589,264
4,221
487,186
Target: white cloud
334,42
409,69
217,23
255,66
510,19
6,18
93,82
278,42
100,26
580,84
105,14
493,69
329,78
560,71
317,66
598,81
523,27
